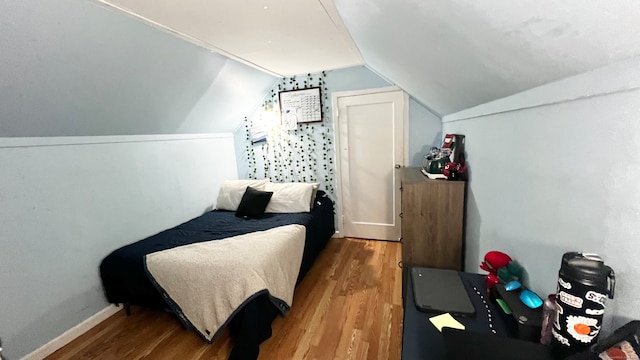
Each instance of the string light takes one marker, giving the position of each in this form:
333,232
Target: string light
304,154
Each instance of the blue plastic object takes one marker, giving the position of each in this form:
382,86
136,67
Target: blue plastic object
512,285
530,299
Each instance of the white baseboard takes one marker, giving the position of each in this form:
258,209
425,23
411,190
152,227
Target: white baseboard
71,334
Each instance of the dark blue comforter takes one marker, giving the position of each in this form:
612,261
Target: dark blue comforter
125,281
124,278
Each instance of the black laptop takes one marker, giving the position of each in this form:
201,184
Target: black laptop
440,291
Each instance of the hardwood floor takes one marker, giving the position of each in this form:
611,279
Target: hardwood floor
349,306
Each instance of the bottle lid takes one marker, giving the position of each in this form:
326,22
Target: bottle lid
588,269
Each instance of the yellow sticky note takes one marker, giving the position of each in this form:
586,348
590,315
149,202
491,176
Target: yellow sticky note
447,320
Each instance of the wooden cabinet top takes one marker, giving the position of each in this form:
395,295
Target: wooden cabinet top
414,175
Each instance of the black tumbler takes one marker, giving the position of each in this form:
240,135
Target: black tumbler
584,283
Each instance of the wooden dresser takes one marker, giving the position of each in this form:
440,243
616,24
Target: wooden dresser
432,221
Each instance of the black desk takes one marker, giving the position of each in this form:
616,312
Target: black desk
421,340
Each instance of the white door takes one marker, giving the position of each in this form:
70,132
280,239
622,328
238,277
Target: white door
370,143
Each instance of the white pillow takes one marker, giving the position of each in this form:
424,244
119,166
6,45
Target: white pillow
289,197
316,186
231,192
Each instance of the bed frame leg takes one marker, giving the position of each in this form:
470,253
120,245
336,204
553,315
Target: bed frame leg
127,308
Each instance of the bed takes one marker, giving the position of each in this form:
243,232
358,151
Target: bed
126,279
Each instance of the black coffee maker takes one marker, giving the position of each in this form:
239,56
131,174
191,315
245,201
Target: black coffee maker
584,284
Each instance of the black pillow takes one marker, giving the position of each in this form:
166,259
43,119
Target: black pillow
253,203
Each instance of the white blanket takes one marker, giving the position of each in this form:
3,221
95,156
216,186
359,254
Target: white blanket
206,283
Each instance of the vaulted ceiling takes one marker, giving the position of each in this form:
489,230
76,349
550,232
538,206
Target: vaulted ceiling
455,54
449,55
280,37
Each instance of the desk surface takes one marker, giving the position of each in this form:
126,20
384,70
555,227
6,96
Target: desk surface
421,340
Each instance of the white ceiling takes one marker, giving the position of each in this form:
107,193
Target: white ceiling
449,55
455,54
277,36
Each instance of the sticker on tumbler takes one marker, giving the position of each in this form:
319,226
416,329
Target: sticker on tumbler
571,300
582,328
563,340
556,320
564,284
594,311
596,297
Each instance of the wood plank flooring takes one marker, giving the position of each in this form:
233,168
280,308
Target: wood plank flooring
349,306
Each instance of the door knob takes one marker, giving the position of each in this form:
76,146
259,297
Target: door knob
397,166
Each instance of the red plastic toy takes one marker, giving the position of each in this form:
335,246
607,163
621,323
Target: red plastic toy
494,260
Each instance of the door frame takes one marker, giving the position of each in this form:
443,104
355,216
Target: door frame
336,137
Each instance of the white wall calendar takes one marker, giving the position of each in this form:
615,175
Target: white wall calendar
301,105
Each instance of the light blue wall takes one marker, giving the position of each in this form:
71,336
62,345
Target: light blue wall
74,68
556,169
68,202
425,131
425,128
